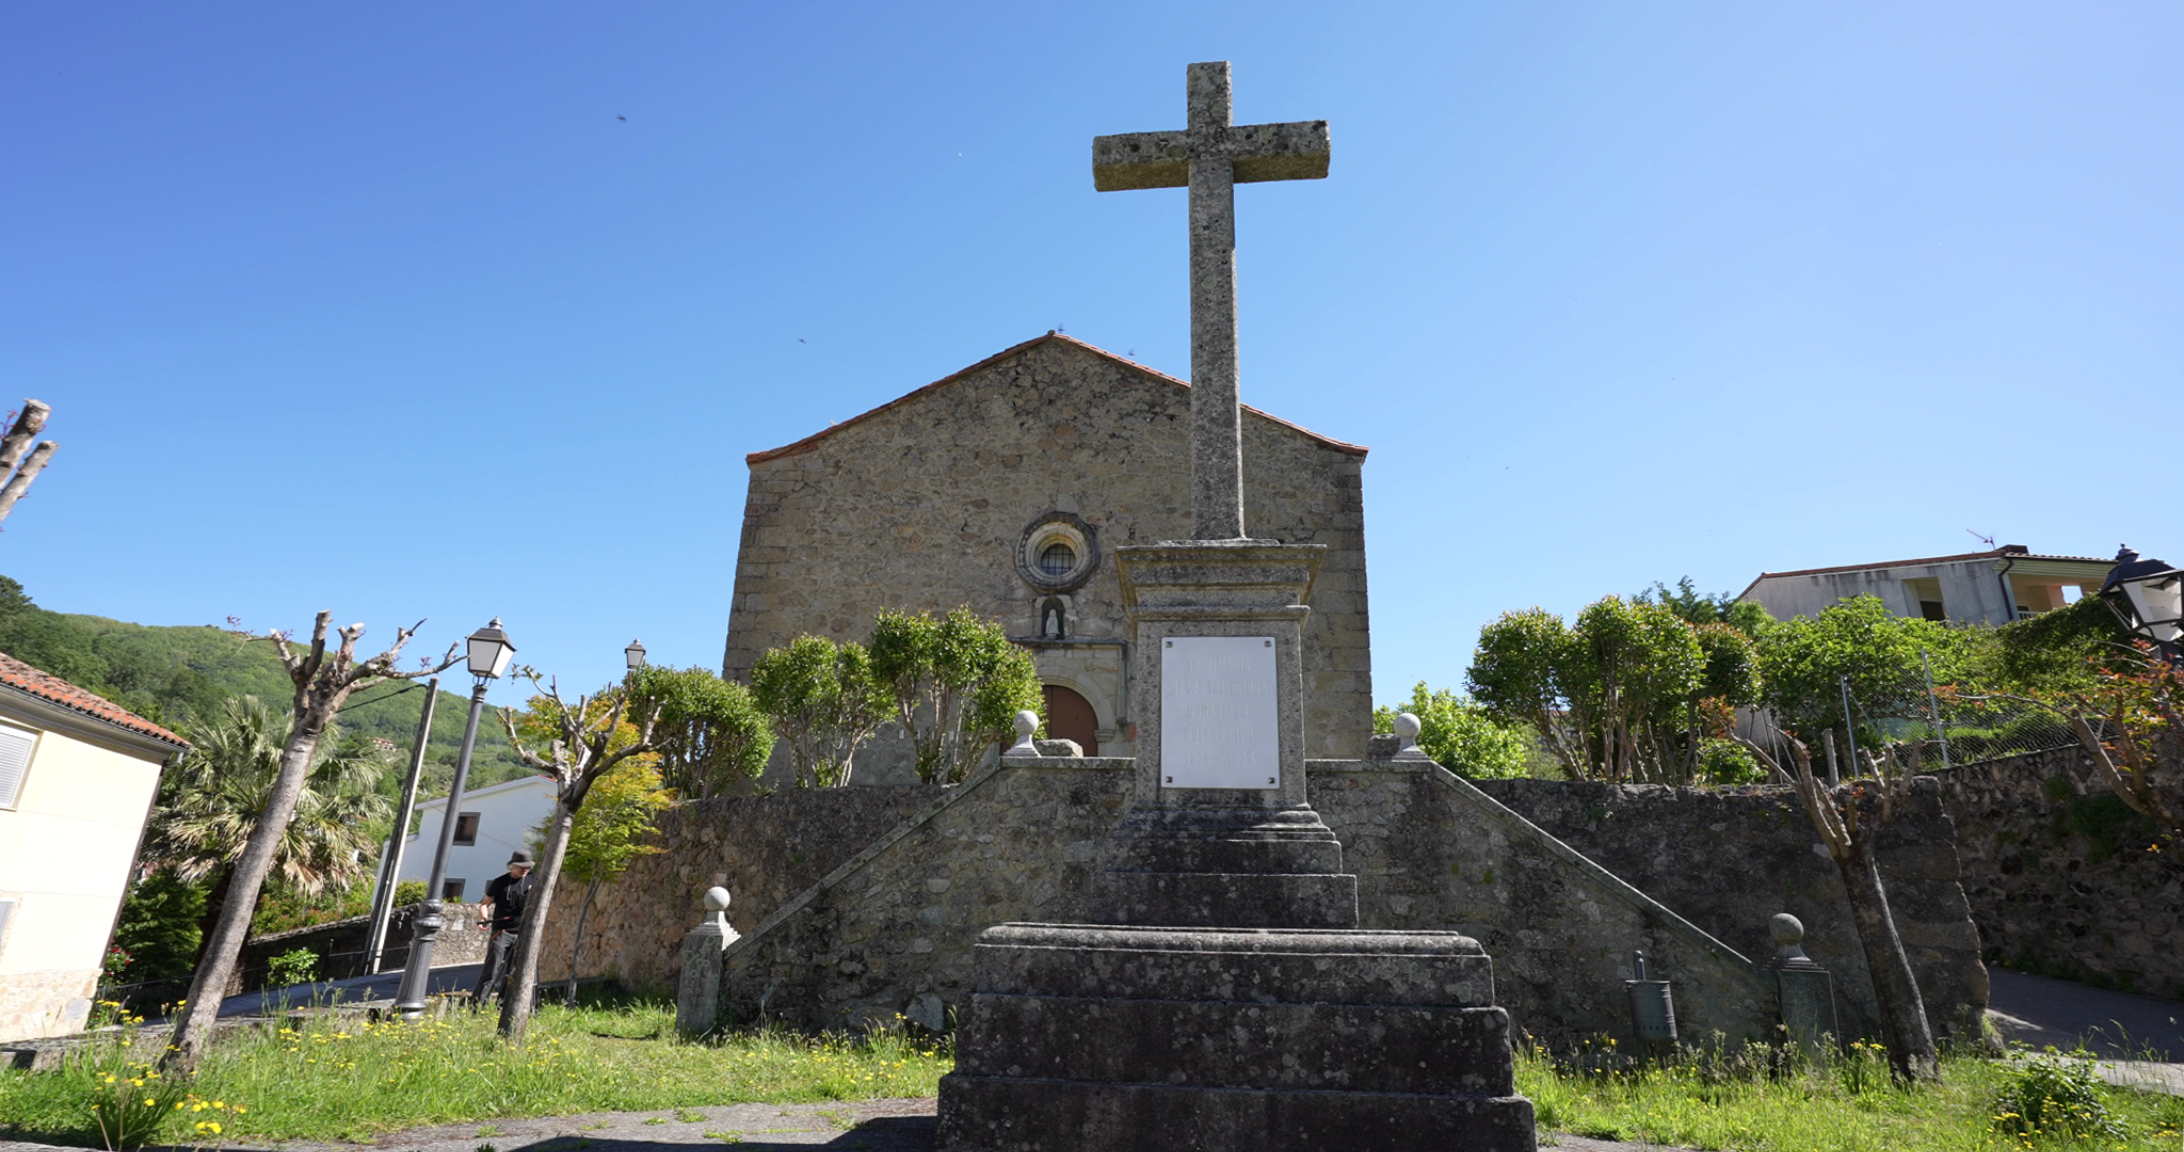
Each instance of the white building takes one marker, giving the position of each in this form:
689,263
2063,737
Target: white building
77,779
493,822
2008,583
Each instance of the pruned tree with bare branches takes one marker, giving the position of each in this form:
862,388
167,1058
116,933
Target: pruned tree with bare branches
576,744
30,421
2139,744
1850,818
324,680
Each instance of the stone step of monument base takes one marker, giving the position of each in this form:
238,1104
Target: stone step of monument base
1234,854
1257,965
1223,1044
995,1114
1226,899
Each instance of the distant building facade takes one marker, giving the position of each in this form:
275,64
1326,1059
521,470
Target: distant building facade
492,822
1994,587
1006,486
78,776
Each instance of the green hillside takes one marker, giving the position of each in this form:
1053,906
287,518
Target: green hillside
176,675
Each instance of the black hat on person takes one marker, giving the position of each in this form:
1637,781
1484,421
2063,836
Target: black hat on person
519,857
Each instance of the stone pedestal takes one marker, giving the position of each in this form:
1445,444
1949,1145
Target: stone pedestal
1806,989
1242,857
697,994
1084,1037
1226,999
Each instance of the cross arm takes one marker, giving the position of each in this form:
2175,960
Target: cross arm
1298,150
1141,160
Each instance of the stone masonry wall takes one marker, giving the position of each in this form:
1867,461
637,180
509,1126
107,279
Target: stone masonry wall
770,847
2060,876
1730,858
893,928
923,503
339,945
895,924
857,916
1432,851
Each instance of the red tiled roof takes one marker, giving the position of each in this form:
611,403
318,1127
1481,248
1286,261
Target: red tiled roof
52,689
812,441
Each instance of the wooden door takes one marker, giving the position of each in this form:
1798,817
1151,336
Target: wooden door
1069,717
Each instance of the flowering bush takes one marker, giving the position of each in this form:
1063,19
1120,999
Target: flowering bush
134,1105
2055,1095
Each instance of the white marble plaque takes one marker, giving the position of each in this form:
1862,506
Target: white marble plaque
1219,722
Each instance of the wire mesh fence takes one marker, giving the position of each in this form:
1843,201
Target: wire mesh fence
1928,726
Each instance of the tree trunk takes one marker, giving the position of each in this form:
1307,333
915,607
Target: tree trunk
246,879
1903,1010
215,900
523,986
576,954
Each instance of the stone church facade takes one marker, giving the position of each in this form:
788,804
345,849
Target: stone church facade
1006,486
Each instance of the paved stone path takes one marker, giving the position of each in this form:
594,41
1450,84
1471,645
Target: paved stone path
2038,1011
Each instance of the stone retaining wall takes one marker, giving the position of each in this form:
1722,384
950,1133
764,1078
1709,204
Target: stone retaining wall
1730,858
890,931
2060,877
339,945
858,904
1432,851
770,848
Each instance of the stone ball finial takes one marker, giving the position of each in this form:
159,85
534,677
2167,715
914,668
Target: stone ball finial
1407,726
716,899
1027,722
1786,929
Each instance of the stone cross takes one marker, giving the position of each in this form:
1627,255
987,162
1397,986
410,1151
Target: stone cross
1210,157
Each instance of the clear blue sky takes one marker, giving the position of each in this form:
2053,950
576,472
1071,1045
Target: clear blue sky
384,308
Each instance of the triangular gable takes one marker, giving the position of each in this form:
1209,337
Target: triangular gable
810,442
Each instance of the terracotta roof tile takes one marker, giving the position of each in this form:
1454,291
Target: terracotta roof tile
52,689
812,441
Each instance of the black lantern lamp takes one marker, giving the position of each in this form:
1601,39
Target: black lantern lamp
2148,596
634,655
490,651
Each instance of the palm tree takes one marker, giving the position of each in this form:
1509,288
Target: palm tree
210,802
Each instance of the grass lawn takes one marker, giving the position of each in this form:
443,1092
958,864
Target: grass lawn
1849,1107
336,1081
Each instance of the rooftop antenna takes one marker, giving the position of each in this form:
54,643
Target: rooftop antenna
1983,538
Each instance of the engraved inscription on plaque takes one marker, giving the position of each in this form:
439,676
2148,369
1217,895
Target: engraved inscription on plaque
1218,722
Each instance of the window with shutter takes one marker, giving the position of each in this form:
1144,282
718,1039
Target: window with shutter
15,748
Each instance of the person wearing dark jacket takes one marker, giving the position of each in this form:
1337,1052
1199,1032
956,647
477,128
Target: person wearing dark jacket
501,913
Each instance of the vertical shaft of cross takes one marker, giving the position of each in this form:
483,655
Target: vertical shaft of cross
1217,464
1211,156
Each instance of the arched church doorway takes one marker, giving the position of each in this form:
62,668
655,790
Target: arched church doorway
1069,717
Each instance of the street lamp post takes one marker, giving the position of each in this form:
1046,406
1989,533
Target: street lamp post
634,655
489,653
2148,596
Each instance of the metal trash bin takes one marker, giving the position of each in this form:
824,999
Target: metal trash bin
1652,1010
